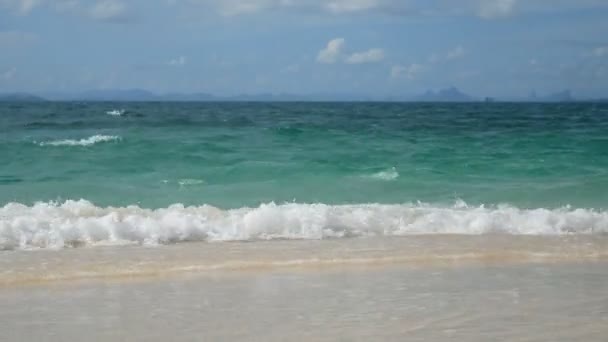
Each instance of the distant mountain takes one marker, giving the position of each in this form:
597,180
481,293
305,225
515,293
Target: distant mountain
116,95
267,97
144,95
20,97
451,94
284,97
178,97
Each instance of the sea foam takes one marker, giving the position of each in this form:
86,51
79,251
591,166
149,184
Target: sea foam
116,112
81,223
386,175
95,139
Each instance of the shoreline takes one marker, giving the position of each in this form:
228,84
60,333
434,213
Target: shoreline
477,302
120,263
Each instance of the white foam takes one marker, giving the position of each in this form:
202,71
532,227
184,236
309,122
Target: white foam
98,138
190,182
116,112
76,223
386,175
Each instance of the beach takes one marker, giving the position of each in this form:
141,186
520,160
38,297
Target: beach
439,288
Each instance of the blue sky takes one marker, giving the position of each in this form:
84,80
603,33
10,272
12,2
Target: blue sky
373,47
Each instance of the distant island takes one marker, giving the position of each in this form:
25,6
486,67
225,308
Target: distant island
20,97
450,94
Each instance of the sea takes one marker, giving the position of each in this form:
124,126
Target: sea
437,221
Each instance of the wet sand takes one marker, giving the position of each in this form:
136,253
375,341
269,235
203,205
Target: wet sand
443,288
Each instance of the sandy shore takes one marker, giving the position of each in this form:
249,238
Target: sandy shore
415,289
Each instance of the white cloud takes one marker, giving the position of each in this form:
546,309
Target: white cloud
103,10
235,7
369,56
21,6
8,74
486,9
332,51
109,10
179,61
489,9
410,71
349,6
28,5
66,5
600,51
434,58
457,52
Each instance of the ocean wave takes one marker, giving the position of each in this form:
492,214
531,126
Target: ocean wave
116,112
98,138
186,182
386,175
81,223
190,182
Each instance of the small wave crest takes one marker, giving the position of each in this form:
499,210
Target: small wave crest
92,140
386,175
185,182
190,182
80,223
116,112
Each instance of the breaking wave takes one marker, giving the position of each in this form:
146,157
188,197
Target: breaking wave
116,112
81,223
92,140
386,175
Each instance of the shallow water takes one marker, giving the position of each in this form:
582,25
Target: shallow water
44,266
527,297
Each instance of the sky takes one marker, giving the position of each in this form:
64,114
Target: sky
501,48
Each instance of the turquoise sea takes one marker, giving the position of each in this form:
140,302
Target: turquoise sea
148,173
